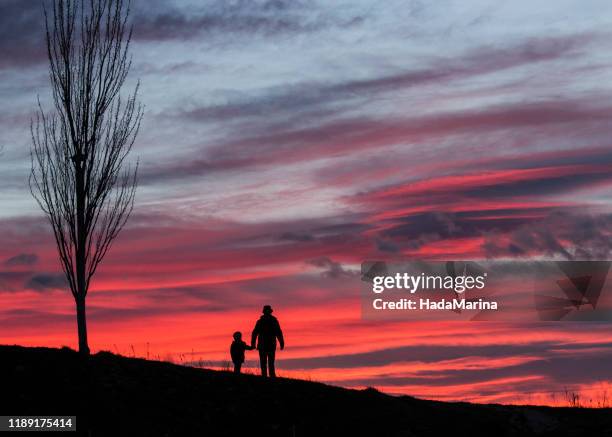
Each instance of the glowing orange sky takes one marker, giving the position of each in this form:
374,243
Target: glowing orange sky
186,309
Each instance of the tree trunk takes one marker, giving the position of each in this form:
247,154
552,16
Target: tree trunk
80,260
82,325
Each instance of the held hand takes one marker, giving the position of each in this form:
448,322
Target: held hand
282,346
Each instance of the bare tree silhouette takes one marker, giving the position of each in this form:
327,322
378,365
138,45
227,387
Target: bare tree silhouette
79,176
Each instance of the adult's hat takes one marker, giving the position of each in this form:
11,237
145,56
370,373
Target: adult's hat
267,309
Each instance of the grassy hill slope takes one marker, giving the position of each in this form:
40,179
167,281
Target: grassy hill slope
115,395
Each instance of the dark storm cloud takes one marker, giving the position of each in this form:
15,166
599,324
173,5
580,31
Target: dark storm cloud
23,259
386,246
319,230
22,41
346,228
13,282
588,236
545,185
416,230
441,225
296,236
237,18
47,282
586,156
561,232
431,226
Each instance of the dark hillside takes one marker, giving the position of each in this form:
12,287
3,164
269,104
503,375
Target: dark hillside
115,395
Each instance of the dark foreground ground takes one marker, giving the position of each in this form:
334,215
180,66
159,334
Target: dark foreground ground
114,395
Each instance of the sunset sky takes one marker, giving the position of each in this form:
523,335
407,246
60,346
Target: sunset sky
285,142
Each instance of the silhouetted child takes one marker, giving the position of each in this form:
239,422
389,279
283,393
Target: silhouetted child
237,351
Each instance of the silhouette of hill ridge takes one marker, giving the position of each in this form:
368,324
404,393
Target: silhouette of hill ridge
116,395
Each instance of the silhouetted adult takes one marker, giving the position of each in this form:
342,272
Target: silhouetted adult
267,330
